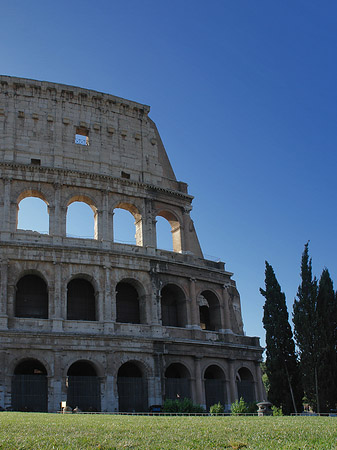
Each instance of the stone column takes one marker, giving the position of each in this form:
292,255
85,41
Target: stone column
55,213
226,320
194,321
11,290
3,295
6,218
199,391
57,298
260,391
186,229
105,227
232,381
149,226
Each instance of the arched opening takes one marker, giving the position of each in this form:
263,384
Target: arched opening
30,387
173,306
32,212
245,385
127,225
209,309
132,388
82,218
177,382
127,303
83,387
81,304
162,232
214,386
31,297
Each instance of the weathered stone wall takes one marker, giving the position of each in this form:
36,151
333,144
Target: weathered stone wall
125,165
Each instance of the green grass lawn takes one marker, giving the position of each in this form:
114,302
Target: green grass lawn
29,431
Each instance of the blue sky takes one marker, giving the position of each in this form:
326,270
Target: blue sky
244,95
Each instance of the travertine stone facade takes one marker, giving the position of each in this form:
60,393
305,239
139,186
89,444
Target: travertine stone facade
166,323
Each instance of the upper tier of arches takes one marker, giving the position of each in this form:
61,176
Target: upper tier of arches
84,215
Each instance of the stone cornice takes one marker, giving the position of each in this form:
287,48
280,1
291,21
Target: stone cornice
94,176
62,92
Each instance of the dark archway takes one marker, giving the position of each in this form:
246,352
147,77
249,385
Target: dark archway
215,389
245,385
177,382
127,303
30,387
31,297
209,308
132,388
81,304
83,387
173,306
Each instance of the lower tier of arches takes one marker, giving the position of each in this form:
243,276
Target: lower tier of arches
33,383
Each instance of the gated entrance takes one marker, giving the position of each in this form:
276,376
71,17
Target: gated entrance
83,387
30,387
132,388
245,384
177,382
214,386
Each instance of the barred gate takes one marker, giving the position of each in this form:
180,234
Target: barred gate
132,394
246,390
84,392
177,388
215,392
30,393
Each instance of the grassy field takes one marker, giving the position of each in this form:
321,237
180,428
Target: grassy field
29,431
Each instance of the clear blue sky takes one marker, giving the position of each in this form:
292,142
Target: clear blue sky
244,95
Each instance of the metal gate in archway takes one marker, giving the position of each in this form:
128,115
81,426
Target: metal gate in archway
246,390
30,393
132,394
84,392
214,392
177,388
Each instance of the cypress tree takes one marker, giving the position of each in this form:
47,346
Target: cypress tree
281,362
327,334
305,329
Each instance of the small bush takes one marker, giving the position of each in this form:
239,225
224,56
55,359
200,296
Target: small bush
277,411
251,407
182,406
216,409
239,407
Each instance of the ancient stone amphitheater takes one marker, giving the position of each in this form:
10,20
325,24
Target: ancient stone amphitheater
98,324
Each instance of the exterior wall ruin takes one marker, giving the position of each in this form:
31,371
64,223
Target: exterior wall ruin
123,164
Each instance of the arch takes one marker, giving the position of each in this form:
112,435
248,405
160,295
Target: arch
83,386
173,306
132,387
30,386
124,231
175,230
127,302
210,312
81,300
177,382
245,385
215,388
31,298
32,212
80,223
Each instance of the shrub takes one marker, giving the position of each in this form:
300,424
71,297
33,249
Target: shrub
277,411
182,406
239,407
216,409
251,407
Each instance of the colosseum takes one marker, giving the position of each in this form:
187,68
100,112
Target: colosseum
99,324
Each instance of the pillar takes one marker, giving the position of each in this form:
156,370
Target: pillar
232,381
199,392
3,295
193,321
226,320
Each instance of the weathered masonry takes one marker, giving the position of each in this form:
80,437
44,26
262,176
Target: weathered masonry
103,325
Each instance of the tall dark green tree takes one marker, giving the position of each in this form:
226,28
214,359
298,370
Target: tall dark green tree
327,336
305,328
281,362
